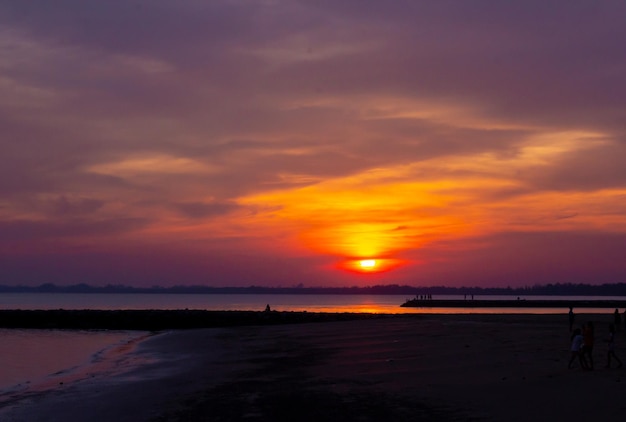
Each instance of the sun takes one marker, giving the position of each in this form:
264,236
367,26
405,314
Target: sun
367,264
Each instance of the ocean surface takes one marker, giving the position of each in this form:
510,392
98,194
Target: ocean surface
30,357
257,302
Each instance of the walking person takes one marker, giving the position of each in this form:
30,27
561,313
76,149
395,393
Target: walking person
611,353
576,349
571,318
588,338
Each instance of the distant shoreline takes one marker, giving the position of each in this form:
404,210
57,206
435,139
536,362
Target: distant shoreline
566,289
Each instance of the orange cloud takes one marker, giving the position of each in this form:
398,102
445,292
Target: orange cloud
361,217
384,213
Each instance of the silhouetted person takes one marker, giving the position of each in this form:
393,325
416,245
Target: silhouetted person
611,353
617,319
571,318
576,348
267,308
588,337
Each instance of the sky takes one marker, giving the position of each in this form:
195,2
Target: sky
322,143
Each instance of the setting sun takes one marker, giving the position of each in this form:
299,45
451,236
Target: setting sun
368,263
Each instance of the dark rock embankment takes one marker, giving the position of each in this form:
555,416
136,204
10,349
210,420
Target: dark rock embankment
154,320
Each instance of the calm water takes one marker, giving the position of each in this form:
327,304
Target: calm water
30,356
280,302
255,302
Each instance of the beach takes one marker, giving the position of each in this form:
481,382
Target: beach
390,367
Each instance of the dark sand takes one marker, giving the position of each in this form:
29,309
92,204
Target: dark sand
400,368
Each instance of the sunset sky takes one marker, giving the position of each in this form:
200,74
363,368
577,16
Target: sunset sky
328,143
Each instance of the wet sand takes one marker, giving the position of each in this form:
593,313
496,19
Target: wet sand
400,367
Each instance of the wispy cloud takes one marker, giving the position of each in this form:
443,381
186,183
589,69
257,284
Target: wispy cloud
305,133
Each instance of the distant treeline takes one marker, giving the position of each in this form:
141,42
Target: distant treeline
562,289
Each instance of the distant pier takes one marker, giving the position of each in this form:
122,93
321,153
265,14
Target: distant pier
520,303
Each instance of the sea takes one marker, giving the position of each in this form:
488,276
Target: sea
34,357
389,304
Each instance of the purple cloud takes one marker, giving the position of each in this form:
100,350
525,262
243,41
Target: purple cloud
118,115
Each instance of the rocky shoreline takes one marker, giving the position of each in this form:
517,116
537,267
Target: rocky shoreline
155,320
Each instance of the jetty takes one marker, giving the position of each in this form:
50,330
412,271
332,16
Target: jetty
519,303
157,320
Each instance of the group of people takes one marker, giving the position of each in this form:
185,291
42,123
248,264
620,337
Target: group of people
583,340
